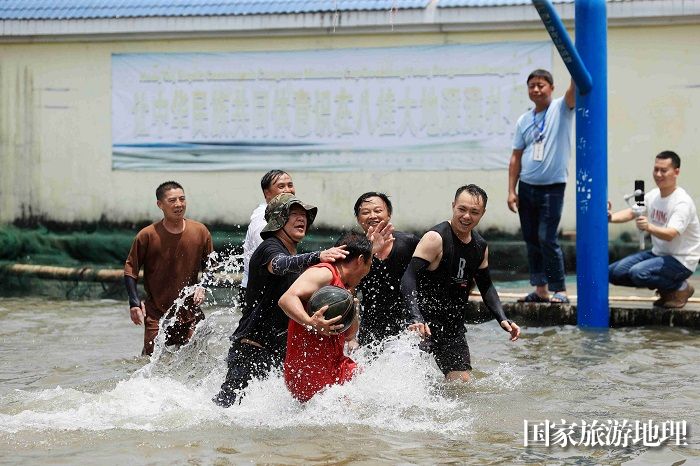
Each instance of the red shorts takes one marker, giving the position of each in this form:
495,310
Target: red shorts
314,362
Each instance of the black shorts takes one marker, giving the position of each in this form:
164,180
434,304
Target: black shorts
451,354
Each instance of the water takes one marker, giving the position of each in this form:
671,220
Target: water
73,391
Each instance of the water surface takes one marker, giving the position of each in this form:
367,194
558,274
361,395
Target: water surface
74,391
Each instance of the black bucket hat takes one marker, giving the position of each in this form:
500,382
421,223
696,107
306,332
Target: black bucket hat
277,213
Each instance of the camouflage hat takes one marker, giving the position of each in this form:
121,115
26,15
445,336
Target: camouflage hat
277,213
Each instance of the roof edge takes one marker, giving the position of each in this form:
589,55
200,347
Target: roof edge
454,19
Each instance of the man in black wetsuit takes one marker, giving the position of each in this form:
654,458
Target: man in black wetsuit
260,340
383,307
437,282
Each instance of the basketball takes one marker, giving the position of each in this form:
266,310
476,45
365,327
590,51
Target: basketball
340,303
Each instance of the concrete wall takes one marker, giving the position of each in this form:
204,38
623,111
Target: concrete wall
55,134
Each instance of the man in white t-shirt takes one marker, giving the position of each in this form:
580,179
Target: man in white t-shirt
272,183
672,221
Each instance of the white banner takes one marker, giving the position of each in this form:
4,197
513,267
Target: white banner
406,108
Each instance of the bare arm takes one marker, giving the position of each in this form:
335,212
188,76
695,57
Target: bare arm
677,222
513,175
292,301
621,216
663,233
625,215
430,249
570,96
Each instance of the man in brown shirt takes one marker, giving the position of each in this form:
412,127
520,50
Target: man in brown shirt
172,252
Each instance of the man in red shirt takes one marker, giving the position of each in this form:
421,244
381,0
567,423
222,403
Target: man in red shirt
315,357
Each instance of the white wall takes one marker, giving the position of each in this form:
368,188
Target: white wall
55,133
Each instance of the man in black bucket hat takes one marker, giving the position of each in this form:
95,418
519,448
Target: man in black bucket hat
259,341
278,211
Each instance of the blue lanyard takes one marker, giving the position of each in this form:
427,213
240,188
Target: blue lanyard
538,132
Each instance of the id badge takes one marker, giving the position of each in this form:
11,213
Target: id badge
538,151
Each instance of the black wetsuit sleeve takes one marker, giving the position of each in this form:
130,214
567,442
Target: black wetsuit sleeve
489,294
130,283
283,264
409,288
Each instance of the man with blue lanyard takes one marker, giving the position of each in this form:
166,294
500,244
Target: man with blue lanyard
539,166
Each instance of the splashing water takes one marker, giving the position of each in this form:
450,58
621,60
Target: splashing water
72,387
219,270
174,391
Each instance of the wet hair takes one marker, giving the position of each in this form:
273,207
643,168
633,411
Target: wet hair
167,186
356,244
270,177
540,73
365,196
474,190
669,154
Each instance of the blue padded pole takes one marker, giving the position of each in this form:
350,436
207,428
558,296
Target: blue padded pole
592,168
589,72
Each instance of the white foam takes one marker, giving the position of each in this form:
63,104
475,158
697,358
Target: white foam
398,389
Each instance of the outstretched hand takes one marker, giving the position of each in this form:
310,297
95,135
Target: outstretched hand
382,237
334,254
511,328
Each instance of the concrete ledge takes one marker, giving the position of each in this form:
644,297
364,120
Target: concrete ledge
640,316
541,314
630,315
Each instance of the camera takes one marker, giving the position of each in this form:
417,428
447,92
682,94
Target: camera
637,206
